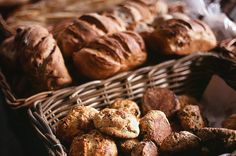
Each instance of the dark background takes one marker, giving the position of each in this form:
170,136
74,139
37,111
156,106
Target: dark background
17,137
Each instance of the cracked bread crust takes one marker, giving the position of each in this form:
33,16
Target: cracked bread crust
117,123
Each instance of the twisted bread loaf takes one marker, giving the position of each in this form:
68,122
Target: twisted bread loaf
110,54
40,58
181,37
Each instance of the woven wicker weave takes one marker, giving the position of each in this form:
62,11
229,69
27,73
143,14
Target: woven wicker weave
189,75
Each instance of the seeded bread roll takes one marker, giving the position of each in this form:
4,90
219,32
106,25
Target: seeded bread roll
78,121
145,148
40,58
181,37
190,118
93,144
117,123
126,105
126,146
181,143
155,126
85,29
110,54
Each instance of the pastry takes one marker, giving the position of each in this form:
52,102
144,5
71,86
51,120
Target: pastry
93,144
117,123
181,143
185,100
78,121
190,118
160,99
126,146
217,140
155,126
110,54
181,37
145,148
230,122
127,106
40,58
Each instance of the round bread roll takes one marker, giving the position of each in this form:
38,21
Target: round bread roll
126,146
145,148
217,140
230,122
78,121
155,126
160,99
110,54
117,123
185,100
93,144
190,118
181,143
127,106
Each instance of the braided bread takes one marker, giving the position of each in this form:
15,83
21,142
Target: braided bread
40,58
110,54
181,37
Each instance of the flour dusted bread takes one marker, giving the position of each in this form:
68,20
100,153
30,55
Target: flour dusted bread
181,37
40,58
110,54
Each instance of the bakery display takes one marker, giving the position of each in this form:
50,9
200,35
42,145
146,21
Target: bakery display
110,54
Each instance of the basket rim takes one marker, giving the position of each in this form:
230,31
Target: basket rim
16,103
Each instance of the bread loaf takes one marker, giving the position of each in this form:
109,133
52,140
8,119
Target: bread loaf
85,29
40,58
110,54
181,37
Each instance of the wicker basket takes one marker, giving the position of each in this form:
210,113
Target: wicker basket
189,75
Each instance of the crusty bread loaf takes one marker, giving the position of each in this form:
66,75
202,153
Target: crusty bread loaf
85,29
181,37
110,54
40,58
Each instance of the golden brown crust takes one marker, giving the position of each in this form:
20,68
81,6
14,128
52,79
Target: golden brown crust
230,122
41,58
190,117
155,126
117,123
160,99
78,121
93,144
181,143
181,37
110,54
126,146
185,100
145,148
127,106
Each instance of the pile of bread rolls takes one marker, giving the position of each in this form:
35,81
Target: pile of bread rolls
100,45
162,124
